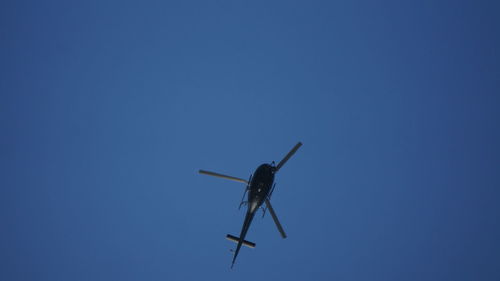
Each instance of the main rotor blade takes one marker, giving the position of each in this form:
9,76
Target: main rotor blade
282,162
275,218
222,176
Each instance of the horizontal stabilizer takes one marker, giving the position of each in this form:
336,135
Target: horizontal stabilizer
236,240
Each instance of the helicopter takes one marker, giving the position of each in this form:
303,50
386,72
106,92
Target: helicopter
259,187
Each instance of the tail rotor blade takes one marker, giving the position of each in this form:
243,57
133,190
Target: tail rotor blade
292,152
222,176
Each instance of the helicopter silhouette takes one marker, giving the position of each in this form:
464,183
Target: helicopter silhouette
259,187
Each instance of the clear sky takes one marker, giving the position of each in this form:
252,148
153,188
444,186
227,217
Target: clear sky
109,108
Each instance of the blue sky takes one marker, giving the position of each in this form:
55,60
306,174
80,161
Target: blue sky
109,108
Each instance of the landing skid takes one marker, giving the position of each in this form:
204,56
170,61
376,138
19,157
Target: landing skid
245,192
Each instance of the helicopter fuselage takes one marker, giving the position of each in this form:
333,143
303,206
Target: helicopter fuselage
260,186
